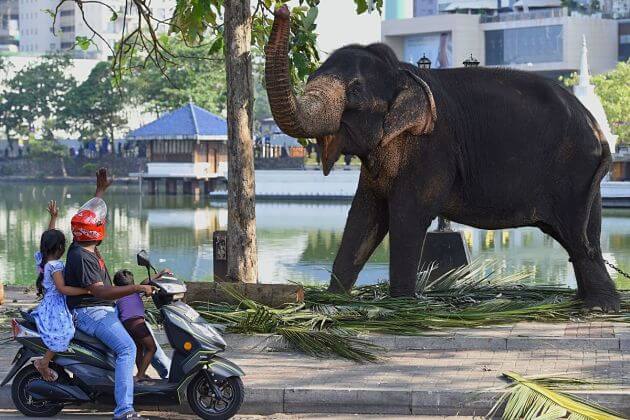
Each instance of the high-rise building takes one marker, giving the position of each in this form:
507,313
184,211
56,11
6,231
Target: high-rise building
9,34
535,35
617,9
37,34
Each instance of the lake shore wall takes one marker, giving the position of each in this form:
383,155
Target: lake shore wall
39,167
279,164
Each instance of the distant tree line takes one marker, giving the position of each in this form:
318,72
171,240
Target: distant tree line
43,97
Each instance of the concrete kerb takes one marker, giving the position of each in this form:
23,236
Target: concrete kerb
390,401
275,343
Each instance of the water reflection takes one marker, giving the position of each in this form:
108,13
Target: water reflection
296,241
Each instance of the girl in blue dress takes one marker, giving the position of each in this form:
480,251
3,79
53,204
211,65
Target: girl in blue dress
53,319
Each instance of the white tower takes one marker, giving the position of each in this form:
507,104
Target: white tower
585,92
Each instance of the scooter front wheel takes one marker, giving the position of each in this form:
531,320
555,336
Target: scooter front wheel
24,402
209,406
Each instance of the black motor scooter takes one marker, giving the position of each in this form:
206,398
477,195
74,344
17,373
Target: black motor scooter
211,384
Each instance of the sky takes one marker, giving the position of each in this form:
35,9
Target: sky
339,25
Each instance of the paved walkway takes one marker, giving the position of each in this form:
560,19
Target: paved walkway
454,372
153,415
448,382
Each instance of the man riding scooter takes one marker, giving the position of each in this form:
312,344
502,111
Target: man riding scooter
95,312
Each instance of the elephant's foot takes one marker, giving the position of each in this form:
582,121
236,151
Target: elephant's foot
337,286
595,287
606,301
398,291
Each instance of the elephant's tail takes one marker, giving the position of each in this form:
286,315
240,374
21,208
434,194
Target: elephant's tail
605,163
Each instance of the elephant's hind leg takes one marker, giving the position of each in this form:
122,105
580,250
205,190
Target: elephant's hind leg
595,287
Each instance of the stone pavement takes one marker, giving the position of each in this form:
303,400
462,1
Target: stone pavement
450,372
156,415
421,381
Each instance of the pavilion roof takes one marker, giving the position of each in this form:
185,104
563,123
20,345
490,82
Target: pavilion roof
189,122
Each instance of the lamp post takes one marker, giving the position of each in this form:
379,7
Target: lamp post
444,249
471,62
424,62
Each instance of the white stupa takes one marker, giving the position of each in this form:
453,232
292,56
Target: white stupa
585,92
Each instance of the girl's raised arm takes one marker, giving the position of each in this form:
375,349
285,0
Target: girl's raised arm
67,290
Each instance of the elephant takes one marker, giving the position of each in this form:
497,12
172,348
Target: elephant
491,148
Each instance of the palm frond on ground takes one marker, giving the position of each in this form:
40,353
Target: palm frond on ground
538,398
470,297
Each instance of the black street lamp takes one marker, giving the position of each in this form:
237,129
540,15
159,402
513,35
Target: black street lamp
471,62
424,62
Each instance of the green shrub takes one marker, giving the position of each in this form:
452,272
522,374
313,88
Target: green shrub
89,169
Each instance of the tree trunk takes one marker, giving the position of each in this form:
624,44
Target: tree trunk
64,172
241,232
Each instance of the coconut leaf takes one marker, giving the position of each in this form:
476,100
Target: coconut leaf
468,297
527,399
330,342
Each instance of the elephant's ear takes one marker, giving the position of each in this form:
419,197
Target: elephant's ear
413,110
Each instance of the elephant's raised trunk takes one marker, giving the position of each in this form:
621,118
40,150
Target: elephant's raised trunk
316,113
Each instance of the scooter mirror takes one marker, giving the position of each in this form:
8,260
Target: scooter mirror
143,259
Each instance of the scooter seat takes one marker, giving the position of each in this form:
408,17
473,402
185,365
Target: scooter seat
29,322
89,340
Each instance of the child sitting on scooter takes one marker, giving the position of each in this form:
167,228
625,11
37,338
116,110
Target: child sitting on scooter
53,319
131,314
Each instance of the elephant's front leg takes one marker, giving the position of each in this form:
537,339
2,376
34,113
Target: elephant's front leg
366,227
408,224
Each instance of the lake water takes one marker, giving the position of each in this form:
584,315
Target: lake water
296,241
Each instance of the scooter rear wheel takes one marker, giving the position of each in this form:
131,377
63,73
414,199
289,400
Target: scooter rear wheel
23,402
206,406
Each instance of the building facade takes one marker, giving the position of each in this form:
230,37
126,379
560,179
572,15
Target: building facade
9,24
536,35
37,35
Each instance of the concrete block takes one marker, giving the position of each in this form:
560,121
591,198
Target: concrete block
263,401
452,403
274,295
624,343
353,401
447,249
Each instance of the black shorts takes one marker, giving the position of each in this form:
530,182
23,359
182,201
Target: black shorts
137,328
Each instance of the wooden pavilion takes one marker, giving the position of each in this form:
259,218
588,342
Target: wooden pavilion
186,147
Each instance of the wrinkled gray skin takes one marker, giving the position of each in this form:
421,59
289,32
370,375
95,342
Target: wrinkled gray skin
490,148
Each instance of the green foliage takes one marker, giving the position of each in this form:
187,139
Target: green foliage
573,5
93,108
613,88
36,93
46,147
200,23
262,109
89,168
198,75
83,42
